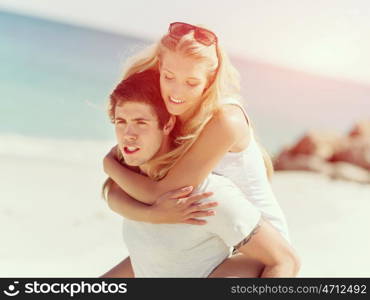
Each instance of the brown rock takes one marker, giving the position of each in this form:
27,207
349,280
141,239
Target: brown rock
357,152
361,128
287,161
321,144
344,157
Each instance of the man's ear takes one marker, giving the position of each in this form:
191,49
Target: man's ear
169,125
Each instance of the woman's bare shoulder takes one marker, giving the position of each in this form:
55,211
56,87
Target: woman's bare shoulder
231,119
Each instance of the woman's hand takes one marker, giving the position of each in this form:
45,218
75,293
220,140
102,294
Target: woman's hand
109,159
179,207
112,154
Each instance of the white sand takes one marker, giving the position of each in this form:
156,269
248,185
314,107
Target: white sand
329,223
54,223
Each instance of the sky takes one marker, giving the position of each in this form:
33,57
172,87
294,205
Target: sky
326,37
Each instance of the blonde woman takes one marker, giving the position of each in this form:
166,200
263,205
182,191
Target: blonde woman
214,134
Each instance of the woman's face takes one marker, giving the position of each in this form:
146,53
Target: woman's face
183,80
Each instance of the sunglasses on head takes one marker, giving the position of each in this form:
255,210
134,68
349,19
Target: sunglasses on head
201,35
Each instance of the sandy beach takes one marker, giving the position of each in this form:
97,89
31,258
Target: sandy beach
54,223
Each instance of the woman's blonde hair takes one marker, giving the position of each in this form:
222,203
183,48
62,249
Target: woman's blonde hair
224,81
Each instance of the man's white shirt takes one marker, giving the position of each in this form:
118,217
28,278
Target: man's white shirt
184,250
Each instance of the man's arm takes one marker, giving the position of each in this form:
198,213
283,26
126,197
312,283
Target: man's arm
267,245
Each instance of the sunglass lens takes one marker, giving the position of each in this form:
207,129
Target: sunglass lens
204,36
180,29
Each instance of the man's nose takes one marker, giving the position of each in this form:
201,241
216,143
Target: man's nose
130,133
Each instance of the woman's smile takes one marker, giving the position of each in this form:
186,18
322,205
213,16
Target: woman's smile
176,101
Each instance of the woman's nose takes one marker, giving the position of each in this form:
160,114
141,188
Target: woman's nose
176,92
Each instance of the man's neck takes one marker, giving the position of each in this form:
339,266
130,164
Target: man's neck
165,147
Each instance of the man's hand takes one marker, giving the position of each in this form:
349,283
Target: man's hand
178,207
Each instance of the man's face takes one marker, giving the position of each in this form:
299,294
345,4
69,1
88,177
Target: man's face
138,135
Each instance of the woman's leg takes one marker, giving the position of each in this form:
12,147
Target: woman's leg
238,265
122,270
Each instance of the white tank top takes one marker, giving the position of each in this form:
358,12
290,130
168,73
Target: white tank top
247,170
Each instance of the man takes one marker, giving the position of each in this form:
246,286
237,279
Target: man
143,130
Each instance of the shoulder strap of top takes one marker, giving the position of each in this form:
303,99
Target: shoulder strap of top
236,102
